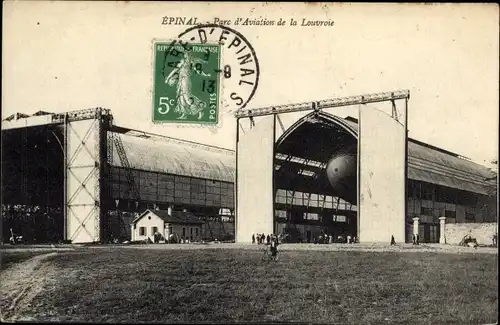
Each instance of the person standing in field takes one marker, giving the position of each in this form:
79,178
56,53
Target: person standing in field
274,248
253,239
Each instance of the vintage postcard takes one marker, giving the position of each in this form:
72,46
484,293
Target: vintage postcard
223,162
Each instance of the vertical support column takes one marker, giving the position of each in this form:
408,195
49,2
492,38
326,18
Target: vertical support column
415,226
235,188
100,163
255,178
406,159
24,161
65,177
107,191
382,201
84,168
275,226
442,228
358,178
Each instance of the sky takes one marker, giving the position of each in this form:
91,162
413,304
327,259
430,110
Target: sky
60,56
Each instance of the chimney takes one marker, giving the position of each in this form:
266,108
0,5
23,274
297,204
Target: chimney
169,210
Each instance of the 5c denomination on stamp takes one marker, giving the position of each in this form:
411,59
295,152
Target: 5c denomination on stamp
186,84
208,68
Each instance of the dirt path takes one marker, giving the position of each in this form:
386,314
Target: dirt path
20,283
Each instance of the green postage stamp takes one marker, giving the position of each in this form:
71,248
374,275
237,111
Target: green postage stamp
186,83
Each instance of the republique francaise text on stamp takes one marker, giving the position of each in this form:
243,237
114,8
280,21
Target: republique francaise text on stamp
206,70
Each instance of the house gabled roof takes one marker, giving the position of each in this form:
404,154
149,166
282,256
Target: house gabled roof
177,217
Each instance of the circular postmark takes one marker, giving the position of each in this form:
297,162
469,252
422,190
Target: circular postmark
207,69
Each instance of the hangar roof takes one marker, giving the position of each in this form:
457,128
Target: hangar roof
174,156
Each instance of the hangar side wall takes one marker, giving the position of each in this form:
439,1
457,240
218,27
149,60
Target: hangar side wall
254,181
381,177
204,197
164,188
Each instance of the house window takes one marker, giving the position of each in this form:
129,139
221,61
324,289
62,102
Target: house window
196,232
183,232
154,230
191,229
142,231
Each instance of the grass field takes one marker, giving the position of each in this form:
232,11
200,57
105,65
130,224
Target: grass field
230,285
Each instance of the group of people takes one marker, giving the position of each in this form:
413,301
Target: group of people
272,240
262,239
329,239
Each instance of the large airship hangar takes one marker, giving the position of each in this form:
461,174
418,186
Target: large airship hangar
77,176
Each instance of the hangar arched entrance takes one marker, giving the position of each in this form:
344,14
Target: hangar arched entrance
315,179
311,180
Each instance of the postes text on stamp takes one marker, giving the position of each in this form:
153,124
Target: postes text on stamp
186,83
205,70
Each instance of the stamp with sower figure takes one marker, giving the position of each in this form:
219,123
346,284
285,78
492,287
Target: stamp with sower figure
206,70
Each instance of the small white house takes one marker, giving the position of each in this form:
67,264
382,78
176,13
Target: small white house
168,225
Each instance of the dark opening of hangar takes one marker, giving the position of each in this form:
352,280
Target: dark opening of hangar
33,182
316,180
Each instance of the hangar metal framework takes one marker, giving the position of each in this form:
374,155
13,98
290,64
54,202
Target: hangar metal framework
79,177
